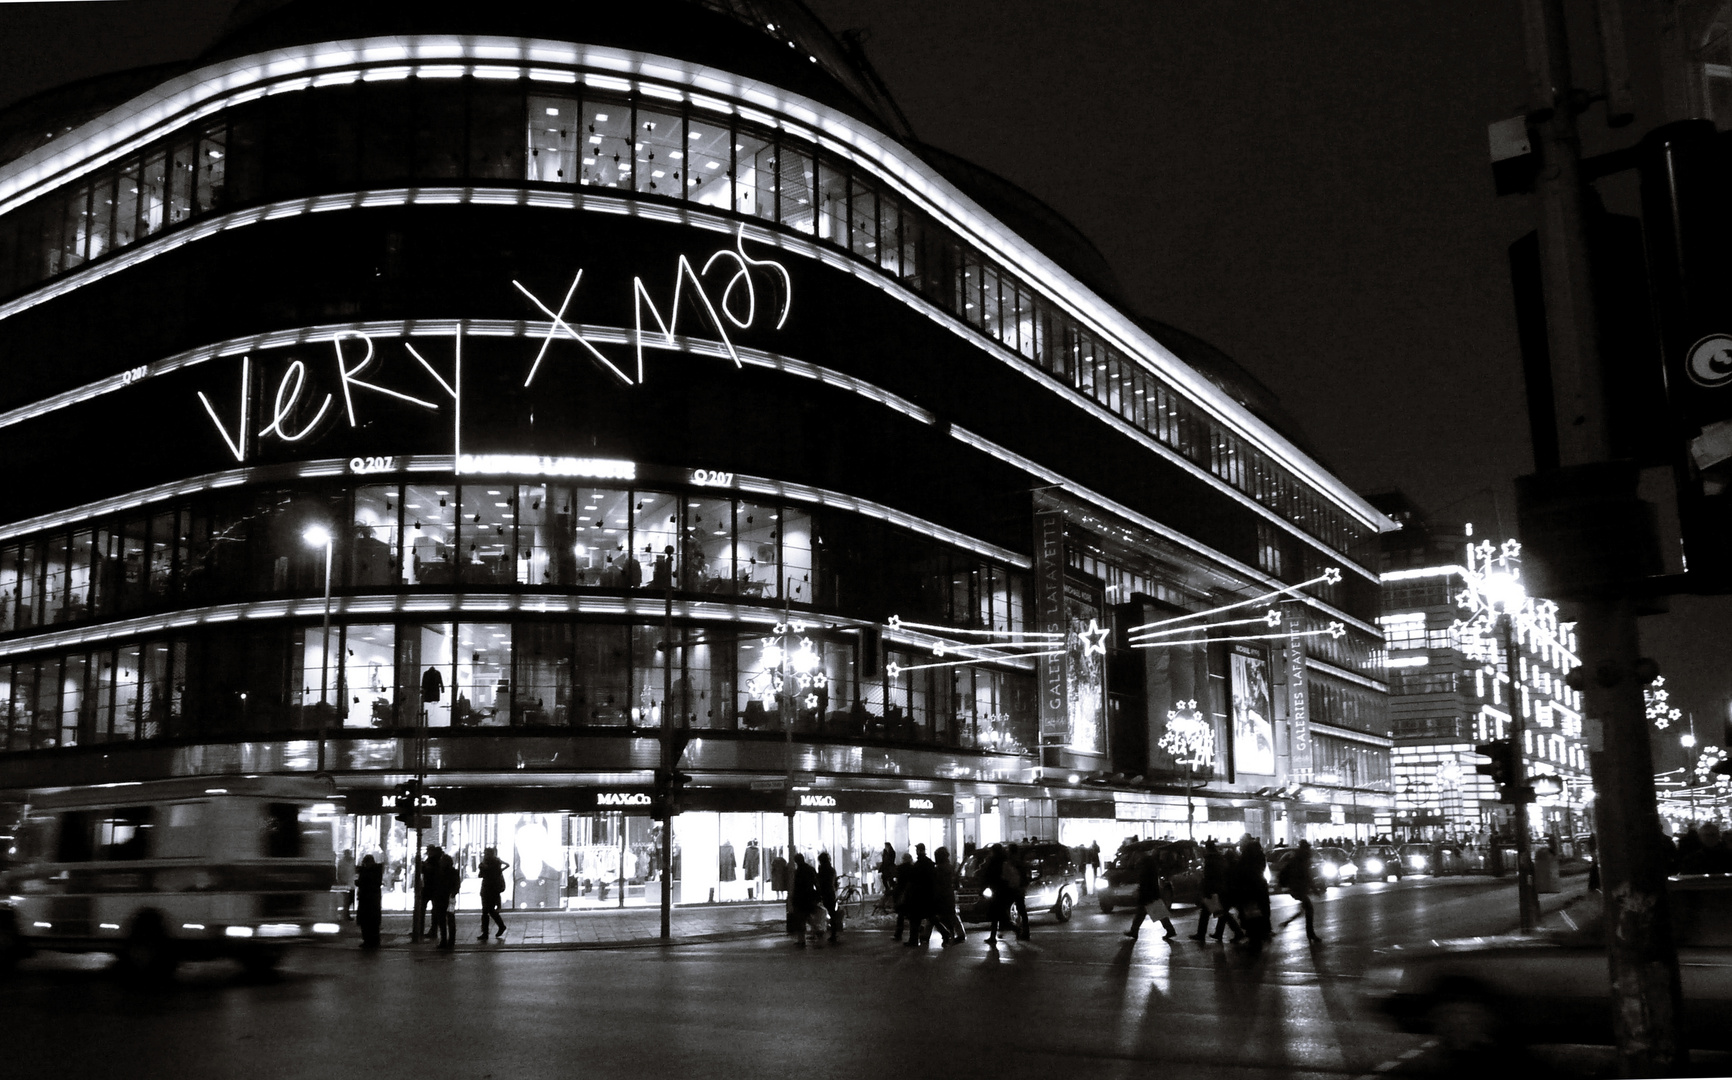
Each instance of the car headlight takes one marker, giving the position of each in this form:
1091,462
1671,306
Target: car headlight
1330,869
1375,866
986,894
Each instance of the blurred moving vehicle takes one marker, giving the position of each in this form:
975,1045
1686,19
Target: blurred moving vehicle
1478,993
1052,881
173,870
1420,858
1380,862
1181,861
1335,866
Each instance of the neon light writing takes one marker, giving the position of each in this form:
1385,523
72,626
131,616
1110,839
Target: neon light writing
363,466
712,478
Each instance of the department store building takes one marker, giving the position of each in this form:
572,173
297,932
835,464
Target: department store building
642,369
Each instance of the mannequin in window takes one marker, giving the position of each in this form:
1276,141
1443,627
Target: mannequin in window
749,862
662,577
725,865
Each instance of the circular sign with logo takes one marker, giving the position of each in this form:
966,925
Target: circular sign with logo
1710,361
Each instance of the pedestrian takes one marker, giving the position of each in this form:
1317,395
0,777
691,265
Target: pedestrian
369,885
1708,854
944,899
1214,903
1298,878
422,884
1154,895
992,888
904,880
1250,889
779,874
449,883
827,893
803,909
887,869
922,901
1094,865
1015,880
492,891
346,879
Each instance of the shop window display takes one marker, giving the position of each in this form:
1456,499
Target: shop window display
76,705
373,544
600,693
16,684
368,675
707,553
889,235
483,681
607,149
488,528
648,675
425,678
755,173
318,696
127,699
797,192
544,674
655,534
756,560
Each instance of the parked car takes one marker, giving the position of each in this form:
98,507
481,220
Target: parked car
1335,866
1552,987
1380,862
1052,881
1181,861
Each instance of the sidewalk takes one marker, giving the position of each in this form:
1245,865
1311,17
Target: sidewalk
595,929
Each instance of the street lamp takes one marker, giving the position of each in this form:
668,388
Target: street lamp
1191,741
319,536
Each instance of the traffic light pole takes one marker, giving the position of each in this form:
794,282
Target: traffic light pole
1581,499
1527,895
665,776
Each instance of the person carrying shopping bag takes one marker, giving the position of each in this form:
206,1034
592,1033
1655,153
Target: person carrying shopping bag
1154,898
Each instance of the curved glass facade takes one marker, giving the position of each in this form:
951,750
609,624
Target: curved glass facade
386,128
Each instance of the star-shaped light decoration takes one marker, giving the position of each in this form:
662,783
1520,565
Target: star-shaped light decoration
895,622
1337,629
1094,639
811,701
1332,576
892,669
1274,617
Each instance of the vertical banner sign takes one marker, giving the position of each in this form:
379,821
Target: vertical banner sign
1298,696
1050,617
1253,732
1085,681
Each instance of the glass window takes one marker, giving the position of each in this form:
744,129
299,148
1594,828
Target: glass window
429,534
212,167
755,557
543,680
709,163
648,674
22,704
659,151
755,168
599,694
54,556
282,560
77,713
101,217
989,302
123,835
80,562
182,174
9,587
914,253
606,142
553,139
74,239
128,702
334,114
889,235
863,224
797,552
374,536
832,202
167,540
483,675
133,559
546,542
697,701
126,196
707,556
797,199
368,674
494,112
439,124
603,523
319,696
424,675
153,193
655,534
758,703
160,688
489,531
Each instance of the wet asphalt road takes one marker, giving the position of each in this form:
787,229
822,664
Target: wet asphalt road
1077,1000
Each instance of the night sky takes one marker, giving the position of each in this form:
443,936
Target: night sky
1305,185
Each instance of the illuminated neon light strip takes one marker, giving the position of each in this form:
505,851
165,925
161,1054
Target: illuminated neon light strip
893,670
897,622
190,97
1333,630
1331,576
1263,619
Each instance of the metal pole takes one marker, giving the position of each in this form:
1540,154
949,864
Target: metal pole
1642,960
325,655
622,843
1191,800
668,765
1527,897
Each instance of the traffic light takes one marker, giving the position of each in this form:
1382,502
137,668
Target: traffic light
408,801
1505,770
669,795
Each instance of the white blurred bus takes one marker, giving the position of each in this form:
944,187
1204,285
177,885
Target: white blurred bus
170,870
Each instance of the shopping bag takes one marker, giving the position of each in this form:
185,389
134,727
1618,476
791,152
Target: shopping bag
1213,904
1156,910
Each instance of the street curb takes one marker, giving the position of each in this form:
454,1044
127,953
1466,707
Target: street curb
561,946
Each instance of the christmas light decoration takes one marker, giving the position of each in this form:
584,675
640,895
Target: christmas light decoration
1660,710
1189,737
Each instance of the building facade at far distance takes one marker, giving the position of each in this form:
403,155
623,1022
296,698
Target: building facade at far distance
474,393
1450,689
